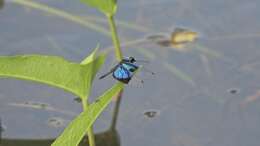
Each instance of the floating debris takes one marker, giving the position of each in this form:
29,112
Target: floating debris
160,39
151,113
157,37
57,122
178,39
181,36
233,90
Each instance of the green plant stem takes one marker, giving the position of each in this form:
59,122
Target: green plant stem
119,56
116,110
115,38
90,133
91,137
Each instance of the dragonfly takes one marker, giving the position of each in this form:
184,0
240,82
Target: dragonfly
124,70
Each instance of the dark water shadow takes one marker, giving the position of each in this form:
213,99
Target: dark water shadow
109,137
2,3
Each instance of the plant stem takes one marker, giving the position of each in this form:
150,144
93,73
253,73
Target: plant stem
115,38
90,133
119,57
116,110
91,137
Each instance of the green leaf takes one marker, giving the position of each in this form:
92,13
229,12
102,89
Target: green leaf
108,7
91,57
52,70
76,130
92,71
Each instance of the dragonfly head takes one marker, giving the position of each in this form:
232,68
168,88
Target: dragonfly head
132,60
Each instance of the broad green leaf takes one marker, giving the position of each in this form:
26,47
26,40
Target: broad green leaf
108,7
76,130
91,57
52,70
91,73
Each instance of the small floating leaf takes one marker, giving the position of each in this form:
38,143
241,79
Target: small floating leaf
178,40
181,35
79,126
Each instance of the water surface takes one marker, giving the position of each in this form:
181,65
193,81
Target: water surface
191,93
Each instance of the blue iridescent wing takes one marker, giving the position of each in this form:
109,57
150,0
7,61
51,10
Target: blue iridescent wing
122,74
125,72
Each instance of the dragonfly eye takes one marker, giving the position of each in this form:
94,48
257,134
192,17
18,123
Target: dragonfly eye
131,70
132,59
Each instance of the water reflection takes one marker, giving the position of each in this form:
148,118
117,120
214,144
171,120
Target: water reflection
109,137
225,55
2,3
1,130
